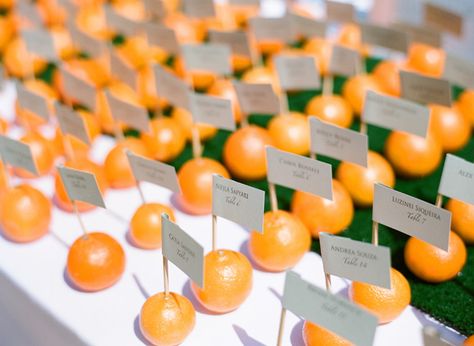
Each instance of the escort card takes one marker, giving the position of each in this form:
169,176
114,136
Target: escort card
431,337
332,312
199,8
208,57
133,116
244,2
122,24
171,87
236,40
154,172
123,71
356,260
163,37
257,98
238,202
81,186
396,114
85,42
457,180
182,250
459,71
412,216
420,34
384,37
423,89
443,19
17,154
40,42
27,9
70,7
297,72
81,90
212,110
339,11
265,28
307,27
71,123
299,172
155,8
337,142
344,61
32,101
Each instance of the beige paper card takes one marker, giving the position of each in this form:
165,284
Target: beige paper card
459,71
344,61
297,72
27,9
155,7
307,27
123,71
299,172
182,250
266,28
420,34
171,87
384,37
163,37
81,90
412,216
443,19
122,24
244,2
133,116
236,40
457,180
85,42
71,123
208,57
32,101
424,90
257,98
81,186
199,8
339,11
69,6
17,154
40,42
212,110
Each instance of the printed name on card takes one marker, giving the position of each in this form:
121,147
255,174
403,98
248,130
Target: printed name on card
212,57
40,42
17,154
384,37
423,89
459,71
163,37
420,34
32,101
85,42
332,312
412,216
299,172
457,180
123,71
199,8
396,114
81,186
266,28
171,87
339,11
237,41
356,260
71,123
238,202
257,98
307,27
134,116
212,110
344,61
297,72
339,143
83,91
182,250
442,19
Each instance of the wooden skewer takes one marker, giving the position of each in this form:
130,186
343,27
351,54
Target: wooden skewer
166,280
375,233
328,82
214,232
273,197
140,191
439,200
328,282
79,218
282,325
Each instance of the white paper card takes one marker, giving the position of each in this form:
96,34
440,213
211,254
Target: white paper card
307,27
244,2
257,98
155,7
85,42
442,19
420,34
81,186
211,57
163,37
459,71
265,28
344,61
332,312
123,71
412,216
40,43
134,116
182,250
339,143
423,89
122,24
17,154
384,37
236,40
297,72
299,172
340,11
199,8
431,337
79,89
356,260
32,101
457,180
27,9
171,87
71,123
212,110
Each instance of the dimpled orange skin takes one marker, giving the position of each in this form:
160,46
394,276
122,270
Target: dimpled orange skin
117,169
321,49
466,105
323,215
359,181
413,156
166,139
224,88
387,73
43,155
355,88
195,179
15,62
331,108
314,335
462,219
386,304
432,264
290,132
244,152
185,120
95,261
284,241
145,226
167,319
259,75
469,341
450,126
25,214
228,278
426,59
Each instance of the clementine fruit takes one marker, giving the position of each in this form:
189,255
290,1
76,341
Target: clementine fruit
356,87
314,335
43,155
462,219
321,49
466,105
469,341
426,59
185,120
166,140
224,88
333,109
387,73
290,132
450,126
16,62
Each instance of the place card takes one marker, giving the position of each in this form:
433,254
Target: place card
344,61
171,87
70,7
356,260
339,11
199,8
163,37
132,115
40,42
457,180
411,216
329,311
459,71
79,89
28,9
270,28
32,101
212,110
121,24
81,186
396,114
384,37
307,27
211,57
85,42
123,71
237,41
423,89
442,19
299,172
155,8
420,34
17,154
257,98
182,250
240,203
244,2
154,172
297,72
338,143
71,123
431,337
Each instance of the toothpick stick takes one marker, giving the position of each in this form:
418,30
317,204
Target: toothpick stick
79,218
282,325
68,150
118,133
375,233
244,121
328,84
285,108
439,200
328,282
140,191
214,232
313,156
166,280
273,196
196,141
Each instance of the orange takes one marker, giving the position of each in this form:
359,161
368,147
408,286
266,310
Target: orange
359,181
145,226
63,42
185,121
227,281
351,37
25,214
146,89
323,215
16,62
469,341
136,51
331,108
3,126
195,179
386,304
95,261
43,155
53,14
462,219
201,80
117,169
167,319
388,74
290,132
131,9
321,49
284,241
91,19
187,30
426,59
466,105
356,87
224,88
411,155
240,63
314,335
270,47
450,126
260,75
244,152
166,140
432,264
7,31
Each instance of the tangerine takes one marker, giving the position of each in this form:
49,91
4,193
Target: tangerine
426,59
356,87
290,132
333,109
314,335
450,126
462,219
